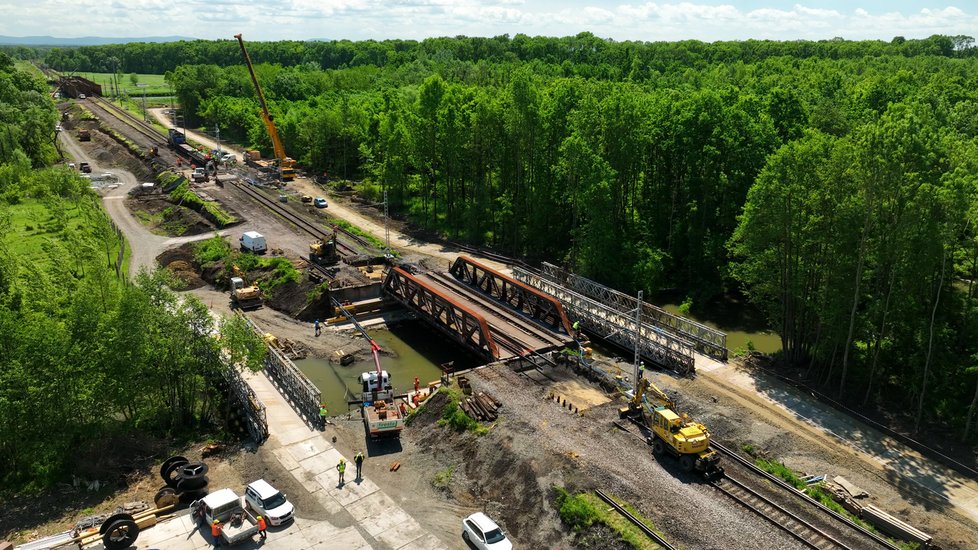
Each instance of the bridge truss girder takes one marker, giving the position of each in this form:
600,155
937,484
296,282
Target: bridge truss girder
653,343
447,315
519,296
707,340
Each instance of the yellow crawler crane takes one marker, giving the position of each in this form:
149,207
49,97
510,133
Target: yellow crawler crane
673,433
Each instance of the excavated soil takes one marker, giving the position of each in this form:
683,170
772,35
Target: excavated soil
180,262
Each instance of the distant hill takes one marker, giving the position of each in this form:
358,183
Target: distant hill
83,41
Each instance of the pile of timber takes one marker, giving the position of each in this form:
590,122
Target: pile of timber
481,406
294,350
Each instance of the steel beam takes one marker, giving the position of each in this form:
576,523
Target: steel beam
504,289
446,314
653,343
705,339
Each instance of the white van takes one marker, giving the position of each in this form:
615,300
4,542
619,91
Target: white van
253,241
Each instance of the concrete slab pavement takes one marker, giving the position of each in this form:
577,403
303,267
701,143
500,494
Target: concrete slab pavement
360,515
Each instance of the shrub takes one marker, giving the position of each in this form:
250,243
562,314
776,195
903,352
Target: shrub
575,510
211,250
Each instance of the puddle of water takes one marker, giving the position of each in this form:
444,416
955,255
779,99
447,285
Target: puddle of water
417,351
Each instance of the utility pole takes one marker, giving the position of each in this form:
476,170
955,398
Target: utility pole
387,231
217,132
144,106
638,334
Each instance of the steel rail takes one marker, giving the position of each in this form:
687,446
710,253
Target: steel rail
791,489
635,521
128,119
777,509
293,218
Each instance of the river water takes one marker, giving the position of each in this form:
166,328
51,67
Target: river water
410,348
741,323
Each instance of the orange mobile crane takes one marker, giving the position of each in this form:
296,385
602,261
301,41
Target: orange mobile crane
285,164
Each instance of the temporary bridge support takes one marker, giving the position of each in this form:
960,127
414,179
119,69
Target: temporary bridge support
706,340
616,326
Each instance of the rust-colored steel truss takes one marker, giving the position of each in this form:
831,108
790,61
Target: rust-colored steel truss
540,306
448,315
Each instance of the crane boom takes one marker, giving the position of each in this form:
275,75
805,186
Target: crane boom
285,164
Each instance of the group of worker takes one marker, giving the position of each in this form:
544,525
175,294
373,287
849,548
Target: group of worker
341,467
216,528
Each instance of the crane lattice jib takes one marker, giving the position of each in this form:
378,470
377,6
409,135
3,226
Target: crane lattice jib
265,115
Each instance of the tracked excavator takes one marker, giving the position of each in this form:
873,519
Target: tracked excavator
672,433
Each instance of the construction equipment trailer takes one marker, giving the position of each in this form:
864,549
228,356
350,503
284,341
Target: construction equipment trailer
285,164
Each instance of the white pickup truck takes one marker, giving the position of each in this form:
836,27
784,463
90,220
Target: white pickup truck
237,524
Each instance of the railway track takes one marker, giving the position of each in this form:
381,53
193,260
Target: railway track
143,128
343,248
839,533
779,516
635,521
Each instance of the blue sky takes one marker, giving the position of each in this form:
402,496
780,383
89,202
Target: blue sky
707,20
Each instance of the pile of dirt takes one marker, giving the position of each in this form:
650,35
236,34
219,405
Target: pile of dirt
180,262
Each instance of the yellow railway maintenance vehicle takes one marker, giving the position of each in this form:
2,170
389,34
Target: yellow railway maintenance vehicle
673,433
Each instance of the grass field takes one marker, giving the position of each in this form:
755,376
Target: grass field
151,84
34,227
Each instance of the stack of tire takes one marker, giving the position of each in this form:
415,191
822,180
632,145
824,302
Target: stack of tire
184,479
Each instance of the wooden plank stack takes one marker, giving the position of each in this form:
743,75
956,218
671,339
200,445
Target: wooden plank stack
481,406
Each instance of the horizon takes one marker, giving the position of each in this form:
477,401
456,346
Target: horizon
356,20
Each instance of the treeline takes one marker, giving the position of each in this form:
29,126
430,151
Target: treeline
85,358
573,52
27,118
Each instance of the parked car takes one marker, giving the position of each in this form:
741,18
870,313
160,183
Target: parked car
85,167
483,533
268,502
81,96
229,159
319,202
306,198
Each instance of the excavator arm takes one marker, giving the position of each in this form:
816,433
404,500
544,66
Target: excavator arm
287,172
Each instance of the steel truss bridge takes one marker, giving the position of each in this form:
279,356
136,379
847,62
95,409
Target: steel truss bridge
492,314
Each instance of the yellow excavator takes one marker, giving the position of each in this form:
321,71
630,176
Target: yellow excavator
673,433
285,164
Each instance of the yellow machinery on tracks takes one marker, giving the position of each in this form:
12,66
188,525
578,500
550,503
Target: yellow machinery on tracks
672,433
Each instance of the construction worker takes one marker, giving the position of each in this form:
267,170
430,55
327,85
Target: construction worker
322,414
261,527
417,384
341,467
359,462
577,329
216,532
641,370
316,325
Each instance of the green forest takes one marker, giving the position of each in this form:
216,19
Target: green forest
833,183
91,364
